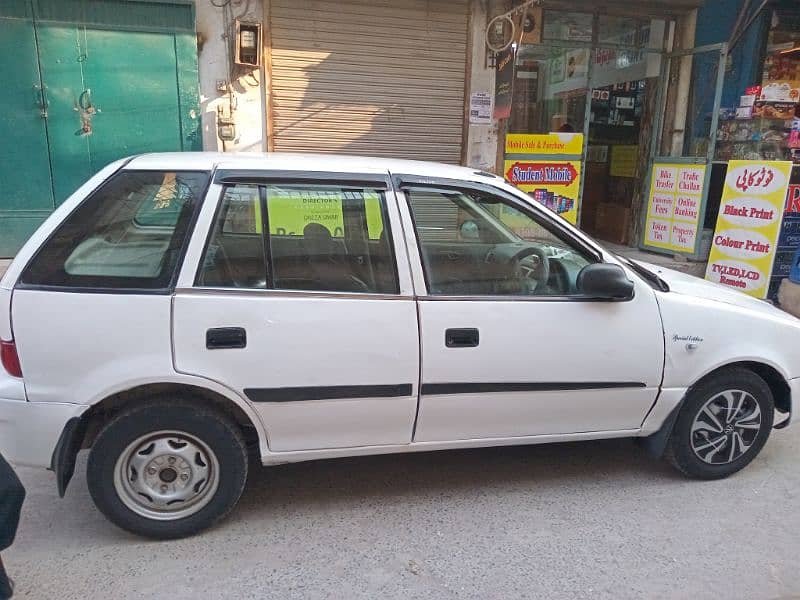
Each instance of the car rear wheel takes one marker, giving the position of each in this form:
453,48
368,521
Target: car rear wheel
722,426
167,470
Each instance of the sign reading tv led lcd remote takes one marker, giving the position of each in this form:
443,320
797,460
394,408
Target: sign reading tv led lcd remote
748,225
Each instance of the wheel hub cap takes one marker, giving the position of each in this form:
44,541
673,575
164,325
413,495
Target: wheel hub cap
166,475
725,427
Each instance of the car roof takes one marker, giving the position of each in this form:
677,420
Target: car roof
285,161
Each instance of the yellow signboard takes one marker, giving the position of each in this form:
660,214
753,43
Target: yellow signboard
623,161
291,210
748,225
673,207
537,171
546,143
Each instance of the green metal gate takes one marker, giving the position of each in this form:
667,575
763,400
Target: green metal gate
87,82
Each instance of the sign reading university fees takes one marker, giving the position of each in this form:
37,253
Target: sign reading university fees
673,207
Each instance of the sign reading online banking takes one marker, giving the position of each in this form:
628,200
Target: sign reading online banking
748,225
673,209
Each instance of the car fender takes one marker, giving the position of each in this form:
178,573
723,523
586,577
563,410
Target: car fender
72,436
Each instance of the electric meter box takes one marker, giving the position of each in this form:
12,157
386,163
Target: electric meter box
247,51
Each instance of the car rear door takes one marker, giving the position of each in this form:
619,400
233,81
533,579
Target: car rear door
292,295
503,357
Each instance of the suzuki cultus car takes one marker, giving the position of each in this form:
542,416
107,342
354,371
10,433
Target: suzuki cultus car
180,314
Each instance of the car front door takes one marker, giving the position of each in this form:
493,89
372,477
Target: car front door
297,303
510,347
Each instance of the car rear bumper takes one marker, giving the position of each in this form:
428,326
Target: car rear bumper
29,431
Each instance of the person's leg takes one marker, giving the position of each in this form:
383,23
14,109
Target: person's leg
12,495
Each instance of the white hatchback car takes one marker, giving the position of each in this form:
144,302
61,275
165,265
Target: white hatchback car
182,312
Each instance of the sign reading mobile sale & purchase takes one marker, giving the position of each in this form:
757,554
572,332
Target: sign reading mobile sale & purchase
748,225
673,209
533,164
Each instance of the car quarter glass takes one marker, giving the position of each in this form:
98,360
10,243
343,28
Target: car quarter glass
329,238
129,234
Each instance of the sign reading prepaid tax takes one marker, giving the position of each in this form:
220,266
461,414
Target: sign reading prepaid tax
748,225
673,208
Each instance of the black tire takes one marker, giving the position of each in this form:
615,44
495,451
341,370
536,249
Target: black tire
682,455
212,428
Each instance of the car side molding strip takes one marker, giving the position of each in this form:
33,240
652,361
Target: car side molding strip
438,389
399,390
330,392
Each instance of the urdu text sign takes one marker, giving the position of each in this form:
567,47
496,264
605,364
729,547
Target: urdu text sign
748,225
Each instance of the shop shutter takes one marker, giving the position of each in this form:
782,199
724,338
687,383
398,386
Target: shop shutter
369,77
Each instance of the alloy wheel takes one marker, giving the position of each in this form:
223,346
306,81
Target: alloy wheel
725,427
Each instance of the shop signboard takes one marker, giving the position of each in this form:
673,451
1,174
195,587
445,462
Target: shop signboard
789,237
623,161
503,83
748,225
673,206
534,165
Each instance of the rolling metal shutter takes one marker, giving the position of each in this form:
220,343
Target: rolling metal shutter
369,77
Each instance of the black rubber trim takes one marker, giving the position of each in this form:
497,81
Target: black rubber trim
372,180
330,392
66,451
438,389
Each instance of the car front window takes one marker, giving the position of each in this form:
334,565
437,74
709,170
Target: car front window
476,243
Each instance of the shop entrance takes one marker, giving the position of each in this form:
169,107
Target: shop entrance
595,76
618,132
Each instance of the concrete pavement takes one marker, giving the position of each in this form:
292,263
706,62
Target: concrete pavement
584,520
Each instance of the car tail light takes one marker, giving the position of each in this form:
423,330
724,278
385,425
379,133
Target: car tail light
10,358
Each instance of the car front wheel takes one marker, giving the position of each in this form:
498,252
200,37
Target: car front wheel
722,426
167,470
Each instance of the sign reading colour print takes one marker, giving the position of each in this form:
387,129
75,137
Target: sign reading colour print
673,209
748,225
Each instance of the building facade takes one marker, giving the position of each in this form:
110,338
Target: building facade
606,90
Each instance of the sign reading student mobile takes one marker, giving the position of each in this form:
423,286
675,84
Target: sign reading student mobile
535,165
748,225
673,208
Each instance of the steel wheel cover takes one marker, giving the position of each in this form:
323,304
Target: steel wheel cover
166,475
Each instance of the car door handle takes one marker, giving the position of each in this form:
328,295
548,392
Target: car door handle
461,338
219,338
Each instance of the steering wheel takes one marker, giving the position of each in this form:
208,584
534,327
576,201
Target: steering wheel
533,264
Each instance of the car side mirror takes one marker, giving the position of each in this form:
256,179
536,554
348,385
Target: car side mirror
469,230
606,281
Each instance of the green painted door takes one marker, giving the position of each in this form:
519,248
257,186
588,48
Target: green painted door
112,94
120,78
27,196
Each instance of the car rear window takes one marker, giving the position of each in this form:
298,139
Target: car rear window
129,233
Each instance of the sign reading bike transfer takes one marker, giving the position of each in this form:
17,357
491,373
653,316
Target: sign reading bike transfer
748,225
673,209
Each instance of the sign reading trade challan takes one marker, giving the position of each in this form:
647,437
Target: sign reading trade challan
532,164
748,225
673,207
